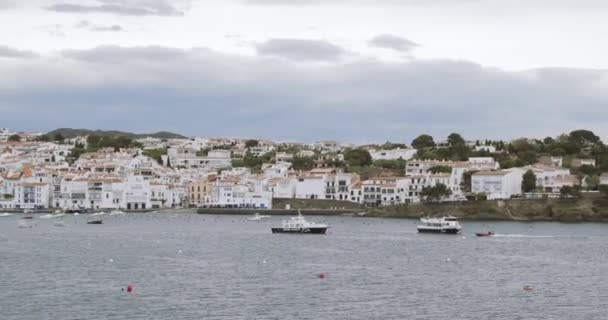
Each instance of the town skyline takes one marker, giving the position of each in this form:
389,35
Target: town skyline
279,140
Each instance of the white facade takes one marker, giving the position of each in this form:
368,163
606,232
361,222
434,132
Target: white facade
395,154
502,184
32,196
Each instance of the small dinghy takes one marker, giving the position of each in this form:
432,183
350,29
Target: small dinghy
485,234
95,221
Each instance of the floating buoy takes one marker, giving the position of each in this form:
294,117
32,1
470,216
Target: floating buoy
111,260
321,275
448,260
528,288
129,288
179,251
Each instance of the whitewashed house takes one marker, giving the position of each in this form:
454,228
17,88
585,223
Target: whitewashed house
394,154
500,184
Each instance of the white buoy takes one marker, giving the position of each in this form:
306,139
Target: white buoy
447,260
179,251
111,260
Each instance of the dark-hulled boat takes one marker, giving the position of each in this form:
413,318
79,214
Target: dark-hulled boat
298,224
484,234
95,222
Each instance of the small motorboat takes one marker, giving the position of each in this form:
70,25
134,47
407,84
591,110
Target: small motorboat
98,214
117,213
23,225
28,217
257,217
6,214
52,216
484,234
99,221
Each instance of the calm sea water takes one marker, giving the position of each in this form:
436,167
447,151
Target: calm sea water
188,266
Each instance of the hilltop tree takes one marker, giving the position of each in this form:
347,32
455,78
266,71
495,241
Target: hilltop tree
251,143
58,137
583,137
456,139
528,183
14,138
436,193
423,141
357,157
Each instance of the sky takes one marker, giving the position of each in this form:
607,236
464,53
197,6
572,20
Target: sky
304,70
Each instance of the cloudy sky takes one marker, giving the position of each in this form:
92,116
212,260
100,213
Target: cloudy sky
351,70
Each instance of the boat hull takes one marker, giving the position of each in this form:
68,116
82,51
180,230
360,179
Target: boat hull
95,222
434,230
300,230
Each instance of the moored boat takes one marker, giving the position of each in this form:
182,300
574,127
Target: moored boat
6,214
446,224
484,234
99,221
298,224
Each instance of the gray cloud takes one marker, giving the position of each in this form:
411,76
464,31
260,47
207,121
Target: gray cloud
203,92
98,28
8,52
121,7
301,49
393,42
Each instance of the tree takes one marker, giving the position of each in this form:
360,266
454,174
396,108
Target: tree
390,146
436,193
14,138
251,143
570,191
357,157
528,183
302,163
156,154
593,182
58,137
455,139
440,169
583,137
423,141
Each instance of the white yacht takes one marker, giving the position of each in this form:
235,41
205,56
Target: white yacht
257,217
5,214
298,224
446,224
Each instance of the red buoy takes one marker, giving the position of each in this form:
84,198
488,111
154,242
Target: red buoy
129,288
321,275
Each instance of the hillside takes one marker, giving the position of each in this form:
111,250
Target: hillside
71,133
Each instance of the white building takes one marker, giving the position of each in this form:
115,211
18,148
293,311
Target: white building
32,195
394,154
501,184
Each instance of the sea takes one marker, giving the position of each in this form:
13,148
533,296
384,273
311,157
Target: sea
190,266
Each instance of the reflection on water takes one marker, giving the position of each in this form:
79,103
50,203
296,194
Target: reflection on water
187,266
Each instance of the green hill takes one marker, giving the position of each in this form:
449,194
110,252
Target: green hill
71,133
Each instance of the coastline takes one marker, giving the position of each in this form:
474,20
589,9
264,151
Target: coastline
556,210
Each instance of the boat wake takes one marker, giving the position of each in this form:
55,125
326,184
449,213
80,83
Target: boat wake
534,236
